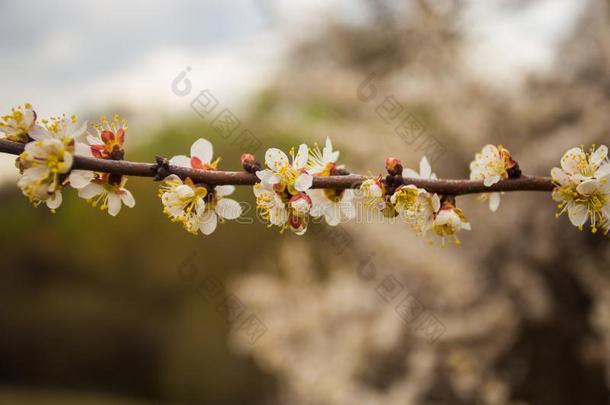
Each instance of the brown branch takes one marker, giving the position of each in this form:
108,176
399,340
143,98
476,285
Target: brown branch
242,178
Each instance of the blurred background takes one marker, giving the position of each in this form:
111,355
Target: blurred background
134,310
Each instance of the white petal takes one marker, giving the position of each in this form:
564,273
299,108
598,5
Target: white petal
203,150
82,149
275,158
68,161
278,216
39,133
603,170
303,182
491,180
80,178
599,155
114,204
54,201
268,177
328,156
184,192
410,173
571,160
222,191
28,116
332,215
94,140
37,172
300,160
228,208
91,190
494,201
490,152
425,170
560,176
180,160
577,214
209,220
436,203
76,133
127,198
587,187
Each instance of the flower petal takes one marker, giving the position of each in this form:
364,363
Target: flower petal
570,161
180,160
604,170
494,201
91,190
39,133
587,187
203,150
79,131
491,180
300,160
577,214
80,178
332,215
425,170
410,173
228,208
436,203
222,191
278,216
54,201
208,224
303,182
599,155
82,149
560,176
114,204
275,158
127,198
268,177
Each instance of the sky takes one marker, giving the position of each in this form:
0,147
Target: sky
81,56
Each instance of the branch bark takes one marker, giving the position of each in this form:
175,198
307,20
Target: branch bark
242,178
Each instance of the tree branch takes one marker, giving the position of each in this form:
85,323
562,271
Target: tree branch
242,178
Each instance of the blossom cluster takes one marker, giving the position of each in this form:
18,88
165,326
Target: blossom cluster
198,207
426,213
50,148
284,196
289,189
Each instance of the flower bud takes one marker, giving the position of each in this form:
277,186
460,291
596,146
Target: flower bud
250,164
513,170
393,166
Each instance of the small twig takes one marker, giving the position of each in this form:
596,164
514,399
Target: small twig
242,178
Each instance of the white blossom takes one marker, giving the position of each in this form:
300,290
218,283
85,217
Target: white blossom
17,125
44,165
583,187
102,189
449,222
284,175
491,165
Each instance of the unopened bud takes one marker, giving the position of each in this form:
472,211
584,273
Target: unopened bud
513,171
393,166
249,163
